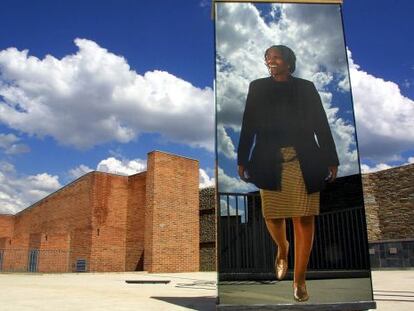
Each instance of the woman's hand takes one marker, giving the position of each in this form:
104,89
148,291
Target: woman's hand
333,171
242,172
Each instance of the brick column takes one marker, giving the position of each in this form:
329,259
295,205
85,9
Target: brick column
171,214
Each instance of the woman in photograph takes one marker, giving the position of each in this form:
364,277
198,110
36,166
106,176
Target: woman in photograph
286,149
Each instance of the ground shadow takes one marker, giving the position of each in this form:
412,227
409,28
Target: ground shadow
195,303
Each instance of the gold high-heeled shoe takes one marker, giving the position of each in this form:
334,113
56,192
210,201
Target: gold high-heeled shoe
281,265
300,293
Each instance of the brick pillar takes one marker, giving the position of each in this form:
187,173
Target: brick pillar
135,222
171,214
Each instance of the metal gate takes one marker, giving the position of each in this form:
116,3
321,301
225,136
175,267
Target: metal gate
247,250
33,258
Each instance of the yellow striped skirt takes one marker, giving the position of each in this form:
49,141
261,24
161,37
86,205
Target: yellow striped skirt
292,200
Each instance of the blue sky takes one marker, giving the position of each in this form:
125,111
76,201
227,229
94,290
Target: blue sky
80,117
173,42
377,33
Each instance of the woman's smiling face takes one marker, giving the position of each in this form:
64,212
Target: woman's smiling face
276,64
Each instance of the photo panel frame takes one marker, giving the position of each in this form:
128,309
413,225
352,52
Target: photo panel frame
260,121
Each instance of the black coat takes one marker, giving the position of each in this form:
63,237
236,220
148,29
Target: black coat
260,128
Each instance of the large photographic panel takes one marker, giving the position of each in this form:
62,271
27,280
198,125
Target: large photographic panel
289,232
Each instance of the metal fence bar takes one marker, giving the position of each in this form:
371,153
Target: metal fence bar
246,235
238,258
228,229
254,261
339,239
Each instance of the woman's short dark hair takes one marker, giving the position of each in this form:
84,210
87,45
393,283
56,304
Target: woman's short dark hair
287,54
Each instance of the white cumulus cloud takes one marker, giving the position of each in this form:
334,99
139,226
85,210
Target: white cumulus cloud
20,191
205,179
365,168
225,145
112,165
129,167
79,171
384,117
122,167
227,183
93,96
9,143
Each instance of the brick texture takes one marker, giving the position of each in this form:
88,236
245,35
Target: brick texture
172,214
389,203
116,223
134,260
6,228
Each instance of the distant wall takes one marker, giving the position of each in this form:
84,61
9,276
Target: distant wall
149,220
207,230
389,203
61,222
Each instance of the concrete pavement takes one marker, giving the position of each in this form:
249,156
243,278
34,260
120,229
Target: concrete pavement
106,291
393,290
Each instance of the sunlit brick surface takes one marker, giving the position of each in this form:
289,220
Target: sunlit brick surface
116,223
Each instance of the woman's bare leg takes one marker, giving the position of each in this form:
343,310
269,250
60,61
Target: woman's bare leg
277,229
304,229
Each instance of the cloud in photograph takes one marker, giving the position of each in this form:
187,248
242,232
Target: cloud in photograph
225,145
230,207
20,191
228,183
227,209
93,96
9,144
244,31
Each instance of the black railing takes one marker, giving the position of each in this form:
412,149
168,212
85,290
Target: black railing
247,250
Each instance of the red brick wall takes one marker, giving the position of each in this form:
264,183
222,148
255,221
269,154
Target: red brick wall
116,223
62,211
109,216
172,215
80,246
54,253
6,226
6,232
4,242
134,260
64,216
35,240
